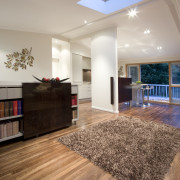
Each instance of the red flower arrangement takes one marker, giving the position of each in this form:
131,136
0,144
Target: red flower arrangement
57,79
53,80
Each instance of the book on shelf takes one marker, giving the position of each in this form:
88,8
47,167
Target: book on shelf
1,109
6,109
15,108
1,131
10,108
15,127
9,129
19,107
74,113
74,100
4,130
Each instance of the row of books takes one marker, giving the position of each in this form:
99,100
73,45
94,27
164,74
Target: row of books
9,129
10,108
74,100
74,113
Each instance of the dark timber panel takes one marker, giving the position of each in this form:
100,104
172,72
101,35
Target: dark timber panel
46,106
124,89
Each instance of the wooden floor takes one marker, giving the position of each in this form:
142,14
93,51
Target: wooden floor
45,158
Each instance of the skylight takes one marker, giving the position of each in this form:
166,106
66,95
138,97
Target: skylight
107,6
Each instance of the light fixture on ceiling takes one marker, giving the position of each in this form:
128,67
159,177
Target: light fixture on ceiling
132,13
107,6
85,22
159,48
147,31
126,45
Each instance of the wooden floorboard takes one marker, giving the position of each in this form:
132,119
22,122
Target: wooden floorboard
45,158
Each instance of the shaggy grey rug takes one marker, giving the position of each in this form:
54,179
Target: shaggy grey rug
128,148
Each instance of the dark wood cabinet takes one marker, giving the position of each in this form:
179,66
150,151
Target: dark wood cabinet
47,107
124,89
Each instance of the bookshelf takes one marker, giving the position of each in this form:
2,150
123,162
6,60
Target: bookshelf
11,121
75,103
40,108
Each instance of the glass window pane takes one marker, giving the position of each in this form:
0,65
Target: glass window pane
175,98
133,73
155,73
176,73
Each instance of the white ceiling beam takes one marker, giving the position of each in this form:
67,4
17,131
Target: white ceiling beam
174,7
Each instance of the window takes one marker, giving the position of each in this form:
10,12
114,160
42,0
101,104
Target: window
133,72
175,69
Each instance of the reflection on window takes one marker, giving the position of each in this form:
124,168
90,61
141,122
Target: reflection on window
133,73
176,73
175,91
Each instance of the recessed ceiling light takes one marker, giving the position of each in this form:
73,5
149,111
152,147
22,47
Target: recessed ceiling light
85,22
132,13
147,31
159,48
126,45
107,6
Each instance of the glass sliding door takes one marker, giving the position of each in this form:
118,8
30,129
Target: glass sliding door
156,76
133,72
175,82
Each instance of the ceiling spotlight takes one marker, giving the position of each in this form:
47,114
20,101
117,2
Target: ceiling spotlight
147,31
85,22
132,13
126,45
159,48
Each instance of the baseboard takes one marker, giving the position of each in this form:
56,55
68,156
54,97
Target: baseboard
103,109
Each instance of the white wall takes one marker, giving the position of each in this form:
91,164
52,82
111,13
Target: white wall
15,41
104,65
62,52
65,62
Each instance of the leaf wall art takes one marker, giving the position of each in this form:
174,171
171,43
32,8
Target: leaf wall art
19,60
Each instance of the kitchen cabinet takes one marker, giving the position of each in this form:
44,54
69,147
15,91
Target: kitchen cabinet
86,63
85,91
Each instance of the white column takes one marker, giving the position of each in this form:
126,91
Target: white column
104,64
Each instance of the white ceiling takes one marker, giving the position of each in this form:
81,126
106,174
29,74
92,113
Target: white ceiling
66,18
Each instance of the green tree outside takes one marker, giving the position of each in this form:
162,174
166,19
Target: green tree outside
155,73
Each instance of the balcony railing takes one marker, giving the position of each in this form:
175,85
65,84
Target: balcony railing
159,90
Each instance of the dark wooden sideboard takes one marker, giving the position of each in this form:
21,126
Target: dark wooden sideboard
46,107
124,89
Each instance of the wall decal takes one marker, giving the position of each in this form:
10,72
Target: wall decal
20,60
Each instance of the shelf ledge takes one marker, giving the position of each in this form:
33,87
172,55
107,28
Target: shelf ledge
11,137
10,117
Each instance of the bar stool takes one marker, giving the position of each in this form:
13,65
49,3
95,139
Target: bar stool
147,88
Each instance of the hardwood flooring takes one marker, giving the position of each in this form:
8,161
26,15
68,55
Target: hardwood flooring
164,113
45,158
